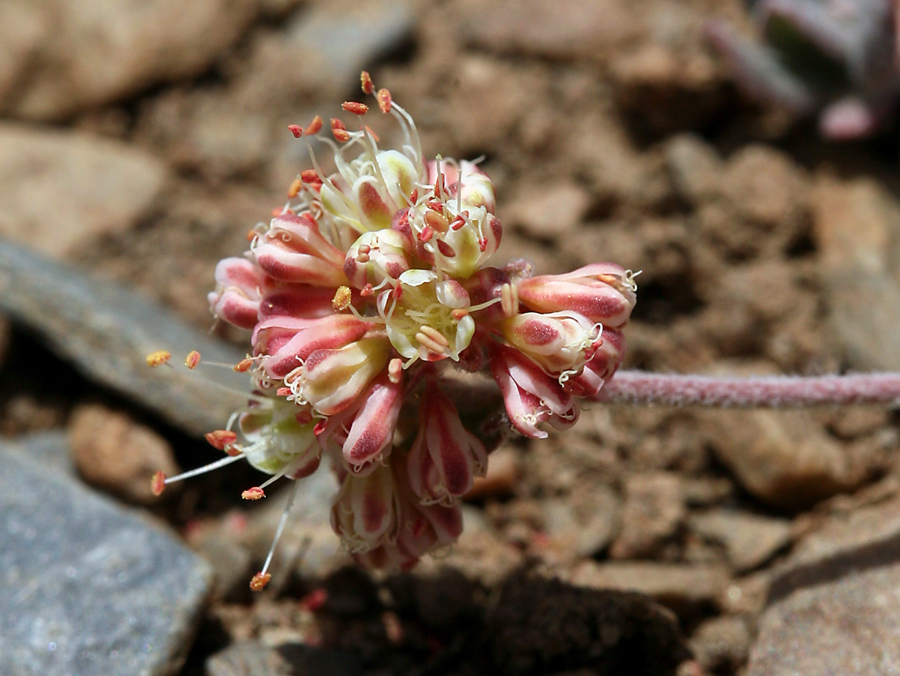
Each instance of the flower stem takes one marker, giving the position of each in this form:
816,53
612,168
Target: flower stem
637,387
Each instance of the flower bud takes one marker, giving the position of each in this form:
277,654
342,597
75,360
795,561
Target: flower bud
560,343
293,250
288,341
602,292
366,510
445,457
376,257
531,396
330,380
297,300
236,298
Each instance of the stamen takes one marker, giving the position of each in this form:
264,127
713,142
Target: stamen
259,581
366,82
255,493
227,460
192,359
263,577
355,107
158,358
339,130
158,483
384,100
243,365
341,300
430,344
435,335
313,127
296,130
295,188
221,439
395,370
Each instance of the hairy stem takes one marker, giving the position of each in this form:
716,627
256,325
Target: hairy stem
637,387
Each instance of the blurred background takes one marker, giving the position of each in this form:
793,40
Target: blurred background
744,157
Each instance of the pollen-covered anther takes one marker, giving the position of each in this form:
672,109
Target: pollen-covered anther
459,313
158,483
158,358
259,581
384,100
395,370
283,392
339,130
296,130
436,221
366,81
366,291
221,439
426,234
255,493
313,127
251,235
355,107
192,359
341,300
295,187
458,222
243,365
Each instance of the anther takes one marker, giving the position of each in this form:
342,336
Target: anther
319,427
414,196
283,392
366,82
436,221
243,365
384,100
341,300
309,176
371,132
435,335
457,223
366,291
429,344
445,249
459,313
158,483
255,493
192,359
355,107
339,130
296,130
313,127
259,581
158,358
294,190
251,235
395,370
220,439
426,234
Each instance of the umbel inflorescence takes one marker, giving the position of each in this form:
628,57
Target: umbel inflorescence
360,293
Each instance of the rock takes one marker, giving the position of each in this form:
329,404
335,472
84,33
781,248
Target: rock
73,56
549,211
653,512
544,626
694,167
107,331
857,231
501,477
565,30
50,450
114,453
749,540
721,644
784,458
250,658
683,588
86,587
765,187
27,413
104,185
834,604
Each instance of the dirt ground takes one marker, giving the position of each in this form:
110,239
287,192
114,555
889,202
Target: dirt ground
611,134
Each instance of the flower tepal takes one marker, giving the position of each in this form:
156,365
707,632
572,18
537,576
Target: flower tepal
365,287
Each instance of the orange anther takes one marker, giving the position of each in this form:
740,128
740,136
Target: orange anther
294,190
355,107
341,300
372,133
243,365
283,392
384,100
459,313
310,176
220,439
414,196
158,358
192,359
366,82
158,483
395,370
251,235
427,233
255,493
259,581
339,130
313,127
296,130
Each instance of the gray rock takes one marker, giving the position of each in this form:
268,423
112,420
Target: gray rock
857,232
71,56
101,187
85,587
48,449
749,540
107,331
835,604
652,514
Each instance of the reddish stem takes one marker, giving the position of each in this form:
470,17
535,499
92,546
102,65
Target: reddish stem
637,387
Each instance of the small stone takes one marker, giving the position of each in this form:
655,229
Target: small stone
784,458
116,454
683,588
749,540
73,57
653,512
86,587
856,226
721,644
107,331
549,211
105,187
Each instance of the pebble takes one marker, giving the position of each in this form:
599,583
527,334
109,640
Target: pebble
68,57
652,514
683,588
117,454
855,224
106,186
749,540
783,458
694,167
549,211
107,332
721,644
85,586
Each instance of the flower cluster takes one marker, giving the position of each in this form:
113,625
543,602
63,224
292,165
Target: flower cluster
359,292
